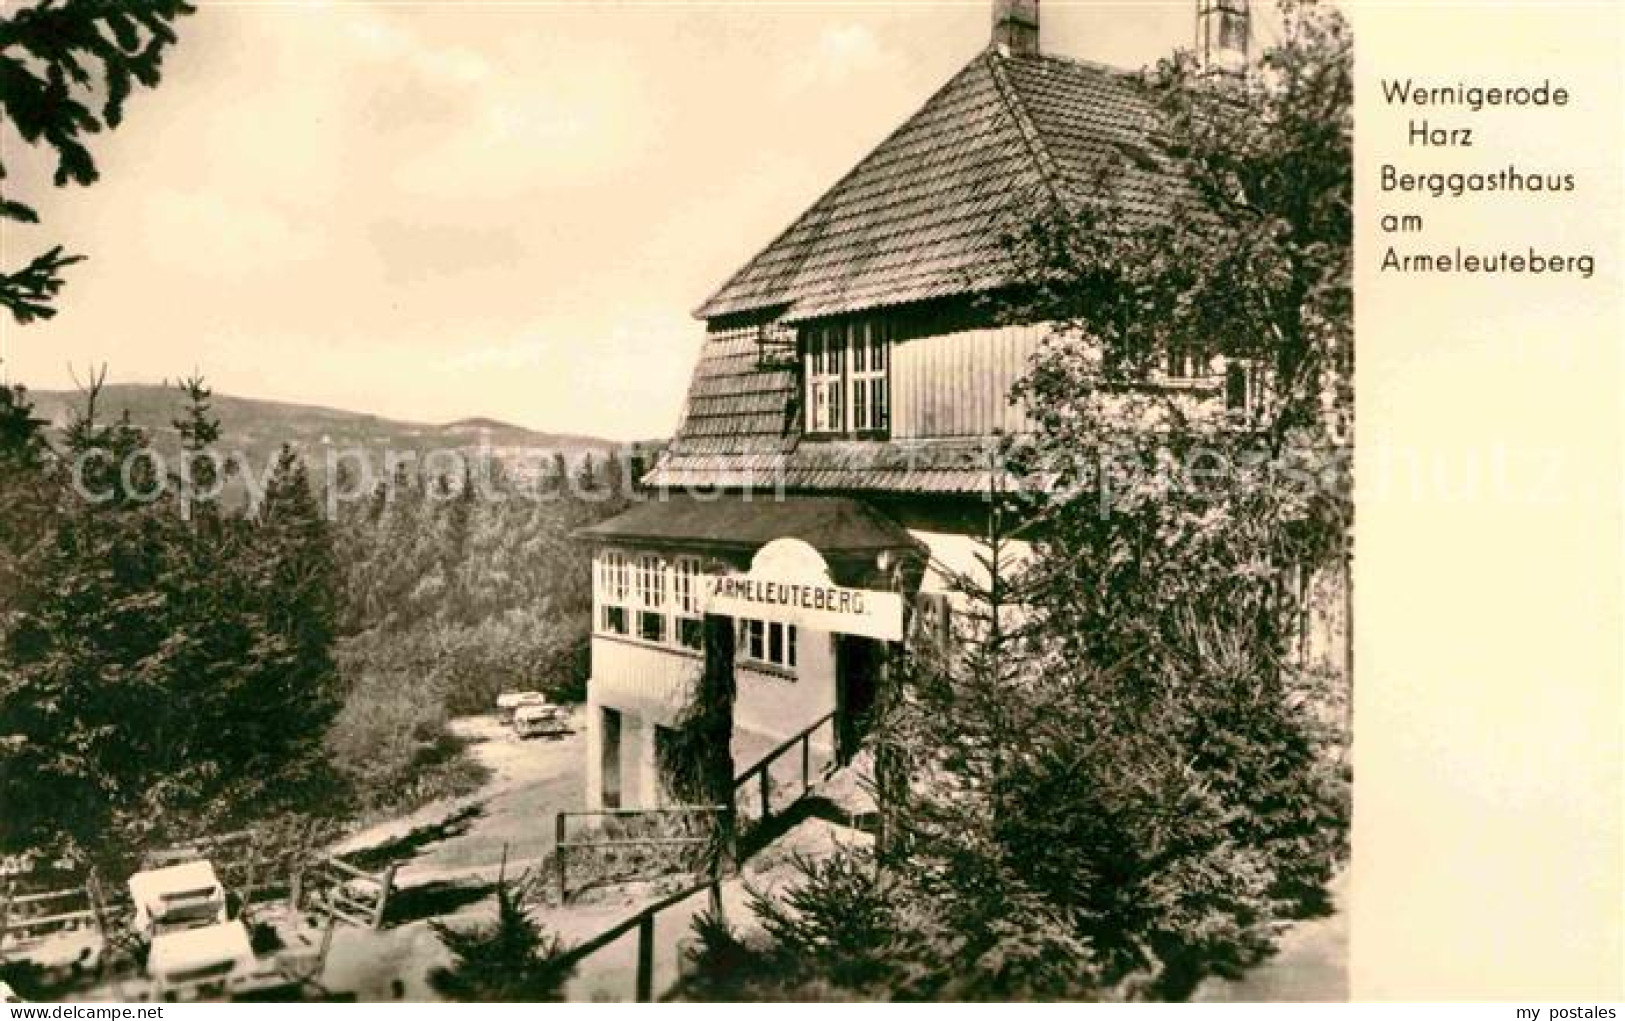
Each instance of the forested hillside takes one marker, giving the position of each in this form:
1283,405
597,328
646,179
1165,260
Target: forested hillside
171,664
452,594
252,431
165,664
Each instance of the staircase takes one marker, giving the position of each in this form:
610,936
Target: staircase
777,805
785,775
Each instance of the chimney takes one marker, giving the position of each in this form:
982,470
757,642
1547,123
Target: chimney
1015,27
1223,35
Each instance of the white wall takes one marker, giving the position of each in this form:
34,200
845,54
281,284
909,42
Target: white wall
648,685
775,706
651,686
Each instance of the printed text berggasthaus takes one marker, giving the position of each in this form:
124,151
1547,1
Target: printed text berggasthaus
1448,127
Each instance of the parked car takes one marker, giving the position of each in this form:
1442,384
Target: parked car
511,702
201,963
541,721
176,898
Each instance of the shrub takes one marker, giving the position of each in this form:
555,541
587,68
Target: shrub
511,960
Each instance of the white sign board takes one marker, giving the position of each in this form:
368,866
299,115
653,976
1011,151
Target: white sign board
789,582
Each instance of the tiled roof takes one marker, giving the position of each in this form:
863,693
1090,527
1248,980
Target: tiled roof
741,429
831,524
939,466
924,215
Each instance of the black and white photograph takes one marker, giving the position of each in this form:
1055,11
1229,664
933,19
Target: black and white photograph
508,502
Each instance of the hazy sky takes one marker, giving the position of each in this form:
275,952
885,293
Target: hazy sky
435,210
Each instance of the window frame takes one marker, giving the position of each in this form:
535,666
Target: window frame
843,391
651,581
756,641
614,593
870,387
1242,379
651,597
1187,364
686,572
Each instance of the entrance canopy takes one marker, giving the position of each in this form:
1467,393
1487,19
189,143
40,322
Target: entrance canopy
837,527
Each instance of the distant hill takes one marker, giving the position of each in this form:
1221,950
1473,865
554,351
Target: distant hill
257,428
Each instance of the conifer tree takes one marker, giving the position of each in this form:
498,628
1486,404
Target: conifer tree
586,475
69,66
22,436
297,694
509,960
28,493
88,706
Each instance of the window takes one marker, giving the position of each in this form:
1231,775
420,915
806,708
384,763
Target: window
847,370
1187,361
1241,390
613,590
686,602
651,598
768,642
869,391
826,352
933,622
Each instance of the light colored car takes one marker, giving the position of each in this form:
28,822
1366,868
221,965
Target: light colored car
202,963
177,897
541,720
510,702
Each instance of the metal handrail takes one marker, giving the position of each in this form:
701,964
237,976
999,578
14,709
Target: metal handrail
760,769
644,922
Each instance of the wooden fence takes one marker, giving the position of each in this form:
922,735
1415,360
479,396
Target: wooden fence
350,894
26,918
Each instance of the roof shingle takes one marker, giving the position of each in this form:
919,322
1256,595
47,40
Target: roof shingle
925,214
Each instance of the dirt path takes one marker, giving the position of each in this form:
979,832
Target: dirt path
1310,967
530,781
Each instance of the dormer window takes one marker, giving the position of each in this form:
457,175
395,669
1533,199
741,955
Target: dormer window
847,375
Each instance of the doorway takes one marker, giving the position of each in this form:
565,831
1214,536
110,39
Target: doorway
859,671
609,758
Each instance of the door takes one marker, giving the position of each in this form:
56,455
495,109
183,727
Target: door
859,664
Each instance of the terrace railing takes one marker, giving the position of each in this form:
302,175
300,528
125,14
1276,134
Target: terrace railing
644,924
761,774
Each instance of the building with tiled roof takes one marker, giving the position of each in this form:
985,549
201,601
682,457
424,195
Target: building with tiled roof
849,387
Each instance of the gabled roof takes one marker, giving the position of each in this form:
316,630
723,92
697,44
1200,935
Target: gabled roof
925,214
